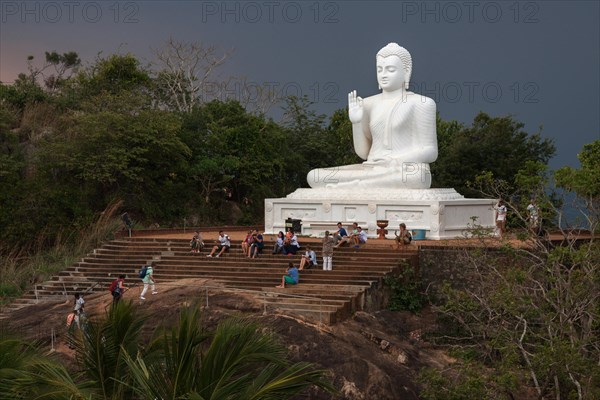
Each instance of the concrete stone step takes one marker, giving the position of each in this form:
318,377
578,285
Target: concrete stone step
326,296
273,273
256,264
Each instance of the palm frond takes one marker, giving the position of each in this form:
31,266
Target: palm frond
102,349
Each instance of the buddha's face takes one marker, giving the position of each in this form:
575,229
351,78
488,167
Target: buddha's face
390,73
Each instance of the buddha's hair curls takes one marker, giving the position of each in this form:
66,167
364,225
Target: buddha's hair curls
393,49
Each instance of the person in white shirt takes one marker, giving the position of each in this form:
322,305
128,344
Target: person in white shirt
360,237
223,245
309,259
533,216
291,246
501,212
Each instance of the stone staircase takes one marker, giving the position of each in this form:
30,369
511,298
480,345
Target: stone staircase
321,296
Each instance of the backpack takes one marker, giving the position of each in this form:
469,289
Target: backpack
409,236
143,271
113,285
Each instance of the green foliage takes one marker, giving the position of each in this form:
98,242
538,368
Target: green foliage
234,150
585,181
494,144
37,260
238,361
23,91
527,313
103,349
339,135
114,74
469,380
406,291
315,145
27,373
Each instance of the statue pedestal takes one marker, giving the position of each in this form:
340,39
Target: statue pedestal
442,213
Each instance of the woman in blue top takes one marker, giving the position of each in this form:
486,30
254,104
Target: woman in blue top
292,276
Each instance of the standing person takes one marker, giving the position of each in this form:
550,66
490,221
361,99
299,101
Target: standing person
328,244
404,237
148,281
78,303
117,288
309,259
278,246
501,212
223,244
74,319
291,277
533,217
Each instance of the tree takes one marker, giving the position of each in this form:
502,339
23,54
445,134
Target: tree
26,373
65,65
118,151
498,145
114,74
240,363
585,181
185,75
339,134
238,152
530,312
239,360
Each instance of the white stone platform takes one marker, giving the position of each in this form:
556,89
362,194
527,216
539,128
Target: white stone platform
442,213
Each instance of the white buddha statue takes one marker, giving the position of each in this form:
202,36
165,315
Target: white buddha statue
394,131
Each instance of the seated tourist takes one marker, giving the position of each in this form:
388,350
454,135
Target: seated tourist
291,277
288,236
247,242
278,246
223,244
360,237
291,245
341,236
196,243
309,259
256,246
352,237
404,237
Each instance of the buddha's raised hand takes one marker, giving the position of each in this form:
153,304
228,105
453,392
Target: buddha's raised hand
355,107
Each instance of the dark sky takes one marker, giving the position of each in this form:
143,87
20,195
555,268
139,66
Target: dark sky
536,60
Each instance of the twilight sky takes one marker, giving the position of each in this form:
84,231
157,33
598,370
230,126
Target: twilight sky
536,60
